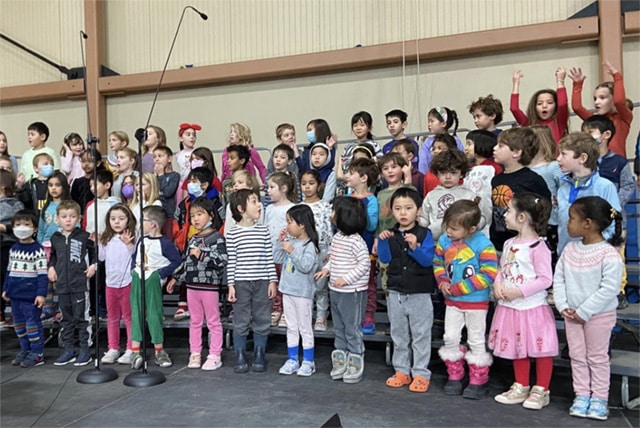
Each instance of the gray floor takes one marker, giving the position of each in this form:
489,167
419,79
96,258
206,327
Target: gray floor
50,396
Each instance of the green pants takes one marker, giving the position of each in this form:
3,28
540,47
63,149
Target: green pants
153,302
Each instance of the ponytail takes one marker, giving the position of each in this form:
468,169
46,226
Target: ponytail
616,240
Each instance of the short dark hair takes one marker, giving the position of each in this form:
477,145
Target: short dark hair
488,105
157,214
40,128
483,142
446,139
463,212
210,207
406,192
104,176
242,152
408,146
202,174
448,161
286,149
601,123
350,215
25,215
397,113
391,157
164,149
368,167
523,139
239,198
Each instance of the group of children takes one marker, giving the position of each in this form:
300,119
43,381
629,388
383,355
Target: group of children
445,227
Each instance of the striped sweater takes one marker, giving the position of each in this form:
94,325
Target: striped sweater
250,254
349,259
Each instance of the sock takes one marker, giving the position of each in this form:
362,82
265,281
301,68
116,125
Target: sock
158,348
292,352
135,349
307,354
544,369
521,371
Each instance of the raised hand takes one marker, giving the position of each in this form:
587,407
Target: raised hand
561,74
610,68
576,75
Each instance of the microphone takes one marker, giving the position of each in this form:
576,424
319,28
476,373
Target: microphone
202,15
83,34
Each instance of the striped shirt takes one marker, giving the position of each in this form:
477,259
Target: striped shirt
349,259
250,254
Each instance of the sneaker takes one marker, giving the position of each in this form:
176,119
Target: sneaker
306,369
580,406
65,358
84,358
19,358
622,301
126,358
289,367
213,362
368,326
550,300
282,322
320,325
538,398
182,313
110,356
162,359
598,409
32,360
515,395
195,361
275,318
136,360
339,364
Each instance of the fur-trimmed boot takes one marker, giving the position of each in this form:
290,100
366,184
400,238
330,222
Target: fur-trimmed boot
454,361
478,375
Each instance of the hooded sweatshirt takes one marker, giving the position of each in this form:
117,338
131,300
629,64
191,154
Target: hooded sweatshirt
69,258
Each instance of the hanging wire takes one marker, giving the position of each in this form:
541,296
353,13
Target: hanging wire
404,59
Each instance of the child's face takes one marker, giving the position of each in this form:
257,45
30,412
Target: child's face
240,182
6,165
280,160
449,179
597,135
575,224
87,163
129,180
469,149
318,157
146,189
439,147
568,162
503,154
275,192
54,187
161,159
125,163
288,137
360,130
103,189
188,138
118,221
148,226
42,162
405,211
395,126
233,161
294,229
456,232
402,152
392,173
309,185
603,101
199,218
234,138
27,223
254,208
76,147
115,143
482,120
545,106
3,143
353,179
35,138
435,126
511,217
67,219
203,186
152,138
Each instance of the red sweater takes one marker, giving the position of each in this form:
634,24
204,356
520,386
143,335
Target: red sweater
558,124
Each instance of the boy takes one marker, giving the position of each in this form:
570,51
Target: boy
161,258
68,269
34,194
396,124
105,201
251,279
237,158
37,134
515,149
578,159
408,249
361,175
282,158
395,172
26,287
285,135
450,167
487,113
168,180
407,150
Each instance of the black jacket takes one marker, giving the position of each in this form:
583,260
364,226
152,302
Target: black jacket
69,258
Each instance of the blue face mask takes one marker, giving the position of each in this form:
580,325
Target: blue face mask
46,170
194,189
207,225
311,136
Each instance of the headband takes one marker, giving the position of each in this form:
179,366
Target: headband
185,126
366,148
442,111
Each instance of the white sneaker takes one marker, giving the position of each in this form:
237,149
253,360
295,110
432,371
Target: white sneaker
306,369
320,325
282,322
538,399
515,395
110,356
289,367
126,358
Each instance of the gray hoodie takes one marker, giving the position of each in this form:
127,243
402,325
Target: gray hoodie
298,268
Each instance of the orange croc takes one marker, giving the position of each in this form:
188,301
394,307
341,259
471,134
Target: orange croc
419,384
398,380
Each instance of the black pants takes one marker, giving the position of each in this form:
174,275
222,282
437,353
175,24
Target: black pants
75,316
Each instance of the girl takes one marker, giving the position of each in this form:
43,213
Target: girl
310,182
283,194
546,107
81,190
523,325
118,140
9,206
203,157
150,195
4,150
239,180
299,249
126,167
241,134
465,265
128,189
187,138
155,137
202,273
362,152
585,288
57,190
348,270
439,120
116,248
440,143
320,159
609,99
70,163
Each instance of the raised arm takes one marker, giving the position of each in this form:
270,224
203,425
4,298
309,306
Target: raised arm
575,74
514,104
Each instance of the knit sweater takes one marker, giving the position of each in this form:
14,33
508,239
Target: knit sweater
349,259
298,268
27,272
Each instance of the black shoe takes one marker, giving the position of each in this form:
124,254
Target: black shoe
240,365
453,387
476,392
259,360
622,301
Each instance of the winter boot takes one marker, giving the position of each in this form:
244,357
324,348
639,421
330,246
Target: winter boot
339,363
454,360
239,346
478,376
259,357
355,369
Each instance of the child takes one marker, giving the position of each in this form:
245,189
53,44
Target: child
105,202
585,288
70,163
115,250
348,270
168,181
578,160
609,100
318,131
408,151
285,135
240,134
439,120
408,249
202,273
523,325
118,140
515,149
281,160
465,265
395,172
251,279
239,180
320,160
126,164
81,190
155,138
202,156
26,286
309,183
187,138
57,191
487,114
546,107
237,158
441,143
128,189
35,194
37,135
69,270
161,258
298,251
4,151
396,124
150,195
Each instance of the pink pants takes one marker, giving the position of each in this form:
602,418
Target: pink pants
118,307
204,305
588,349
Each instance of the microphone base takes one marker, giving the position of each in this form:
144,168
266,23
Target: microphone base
144,379
96,376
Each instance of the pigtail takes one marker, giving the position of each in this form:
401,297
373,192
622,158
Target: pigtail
616,240
292,188
453,116
542,211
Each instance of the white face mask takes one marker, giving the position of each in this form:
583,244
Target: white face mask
23,232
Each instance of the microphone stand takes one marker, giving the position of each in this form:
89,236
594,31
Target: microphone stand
145,378
95,375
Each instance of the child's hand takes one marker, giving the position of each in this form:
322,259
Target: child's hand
445,287
91,270
406,171
231,297
158,170
511,293
577,318
195,252
39,301
610,68
4,296
127,237
273,290
52,275
331,141
287,247
92,236
20,180
385,234
282,235
374,249
517,75
561,74
171,285
340,282
568,313
322,274
411,241
576,75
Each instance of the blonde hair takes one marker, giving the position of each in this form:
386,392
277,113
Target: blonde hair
250,179
130,153
546,143
154,193
122,136
244,133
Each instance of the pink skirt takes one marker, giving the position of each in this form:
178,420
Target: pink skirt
518,334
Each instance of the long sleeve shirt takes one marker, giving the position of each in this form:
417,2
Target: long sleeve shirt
26,163
558,124
71,165
349,259
116,256
254,165
160,255
298,268
425,155
250,254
